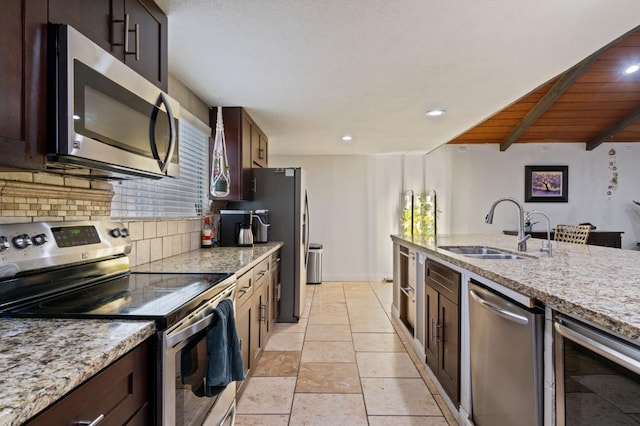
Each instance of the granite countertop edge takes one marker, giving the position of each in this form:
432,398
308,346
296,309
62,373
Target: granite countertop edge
236,260
44,359
597,284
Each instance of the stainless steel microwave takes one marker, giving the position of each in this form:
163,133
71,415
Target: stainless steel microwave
105,116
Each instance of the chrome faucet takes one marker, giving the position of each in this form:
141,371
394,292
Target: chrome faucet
522,238
545,248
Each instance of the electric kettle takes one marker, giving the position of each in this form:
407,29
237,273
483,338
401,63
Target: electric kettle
261,226
245,236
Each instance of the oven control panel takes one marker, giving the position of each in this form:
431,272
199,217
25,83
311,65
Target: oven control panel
26,247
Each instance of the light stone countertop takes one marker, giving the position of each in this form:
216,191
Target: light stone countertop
217,259
598,284
42,360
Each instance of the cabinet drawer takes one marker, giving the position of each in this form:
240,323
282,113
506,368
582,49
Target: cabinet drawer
120,393
261,273
444,280
244,288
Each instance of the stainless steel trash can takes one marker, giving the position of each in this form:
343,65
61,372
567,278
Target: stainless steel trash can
314,264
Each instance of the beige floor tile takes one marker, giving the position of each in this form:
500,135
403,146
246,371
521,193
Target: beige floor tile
329,319
328,377
329,284
328,332
339,308
359,293
328,352
377,342
285,342
312,409
262,420
369,303
384,291
278,364
372,313
402,397
324,299
291,327
387,307
306,309
267,395
407,421
385,364
445,409
371,325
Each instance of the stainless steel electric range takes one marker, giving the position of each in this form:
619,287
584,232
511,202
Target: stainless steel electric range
81,270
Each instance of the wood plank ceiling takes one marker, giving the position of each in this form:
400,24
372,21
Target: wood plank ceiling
591,103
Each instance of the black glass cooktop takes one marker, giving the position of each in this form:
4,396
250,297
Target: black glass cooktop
164,298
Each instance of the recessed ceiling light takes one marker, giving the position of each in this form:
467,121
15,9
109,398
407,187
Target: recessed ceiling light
436,112
631,69
346,138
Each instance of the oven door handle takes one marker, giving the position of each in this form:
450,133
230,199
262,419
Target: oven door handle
601,344
189,331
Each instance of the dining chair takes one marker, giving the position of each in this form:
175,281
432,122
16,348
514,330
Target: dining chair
576,234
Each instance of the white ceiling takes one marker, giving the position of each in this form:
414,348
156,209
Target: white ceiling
310,70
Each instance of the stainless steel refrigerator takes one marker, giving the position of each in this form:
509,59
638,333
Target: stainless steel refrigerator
283,191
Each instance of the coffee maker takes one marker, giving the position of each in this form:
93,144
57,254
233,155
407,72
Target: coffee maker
235,228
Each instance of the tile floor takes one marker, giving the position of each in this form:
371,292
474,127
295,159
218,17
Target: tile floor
342,364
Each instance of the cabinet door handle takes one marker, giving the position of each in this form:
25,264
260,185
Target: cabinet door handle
136,30
263,312
91,422
439,333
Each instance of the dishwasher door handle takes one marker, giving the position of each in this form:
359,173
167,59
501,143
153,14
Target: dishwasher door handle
511,316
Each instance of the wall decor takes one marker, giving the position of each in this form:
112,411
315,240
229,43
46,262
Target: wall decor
546,184
613,181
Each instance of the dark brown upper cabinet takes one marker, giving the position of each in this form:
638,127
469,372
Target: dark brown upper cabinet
23,64
246,148
23,60
134,31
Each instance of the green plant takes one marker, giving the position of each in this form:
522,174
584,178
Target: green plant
418,218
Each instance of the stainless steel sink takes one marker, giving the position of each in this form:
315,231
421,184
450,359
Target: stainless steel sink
481,252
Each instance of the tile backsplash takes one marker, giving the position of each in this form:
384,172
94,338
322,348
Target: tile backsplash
155,239
27,196
38,196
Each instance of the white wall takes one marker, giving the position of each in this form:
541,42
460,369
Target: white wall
352,201
355,201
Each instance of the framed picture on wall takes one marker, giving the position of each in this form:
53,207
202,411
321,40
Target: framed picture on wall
546,184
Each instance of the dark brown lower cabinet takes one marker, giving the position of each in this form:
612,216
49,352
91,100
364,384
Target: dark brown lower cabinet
121,392
442,317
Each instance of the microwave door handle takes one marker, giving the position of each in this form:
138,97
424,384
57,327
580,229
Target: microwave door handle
164,164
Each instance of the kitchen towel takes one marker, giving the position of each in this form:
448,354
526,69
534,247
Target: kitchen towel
223,349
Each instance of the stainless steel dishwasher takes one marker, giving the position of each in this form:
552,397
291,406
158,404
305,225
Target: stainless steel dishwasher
506,360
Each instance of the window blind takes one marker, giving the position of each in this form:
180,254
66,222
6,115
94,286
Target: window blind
185,196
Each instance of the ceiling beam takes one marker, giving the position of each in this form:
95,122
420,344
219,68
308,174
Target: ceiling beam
628,120
549,98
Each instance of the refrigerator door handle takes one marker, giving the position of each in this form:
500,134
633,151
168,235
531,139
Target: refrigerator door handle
305,231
